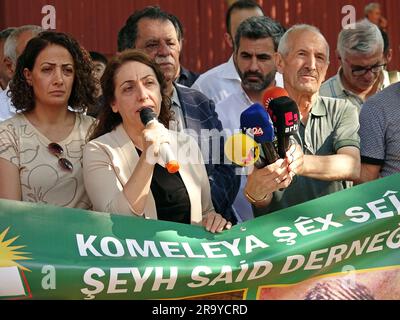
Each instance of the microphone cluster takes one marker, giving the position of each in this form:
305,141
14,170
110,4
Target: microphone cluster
271,125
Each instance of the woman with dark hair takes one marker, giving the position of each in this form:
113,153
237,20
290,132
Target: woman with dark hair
123,170
41,147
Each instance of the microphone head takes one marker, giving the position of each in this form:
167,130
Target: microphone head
271,94
285,115
146,115
257,120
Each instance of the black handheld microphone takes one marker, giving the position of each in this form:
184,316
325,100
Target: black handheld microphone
171,163
286,119
256,121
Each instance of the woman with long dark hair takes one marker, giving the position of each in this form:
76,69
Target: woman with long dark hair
41,147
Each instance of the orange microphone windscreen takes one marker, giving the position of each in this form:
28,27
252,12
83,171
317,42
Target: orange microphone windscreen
273,93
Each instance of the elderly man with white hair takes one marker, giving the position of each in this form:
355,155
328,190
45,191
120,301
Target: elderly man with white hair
360,51
13,47
327,153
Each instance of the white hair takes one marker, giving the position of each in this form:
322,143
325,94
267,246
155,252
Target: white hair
370,7
10,45
362,37
284,46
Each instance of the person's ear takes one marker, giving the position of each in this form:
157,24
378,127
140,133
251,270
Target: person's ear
28,76
389,56
279,62
339,57
10,67
114,107
228,39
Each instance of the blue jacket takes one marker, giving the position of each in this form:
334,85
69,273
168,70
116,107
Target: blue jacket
199,113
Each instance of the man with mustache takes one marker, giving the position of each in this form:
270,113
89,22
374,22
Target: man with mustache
255,44
156,32
360,51
327,153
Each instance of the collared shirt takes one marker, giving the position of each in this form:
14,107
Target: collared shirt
220,82
187,77
333,87
390,77
229,111
7,109
331,125
178,122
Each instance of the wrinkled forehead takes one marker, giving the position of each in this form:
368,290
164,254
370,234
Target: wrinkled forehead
156,29
54,53
307,40
363,58
133,70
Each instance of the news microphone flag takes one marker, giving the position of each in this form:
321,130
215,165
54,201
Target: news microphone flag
241,150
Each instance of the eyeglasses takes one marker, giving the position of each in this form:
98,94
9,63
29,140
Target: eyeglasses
360,71
56,150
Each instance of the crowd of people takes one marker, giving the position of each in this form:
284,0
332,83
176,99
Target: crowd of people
72,132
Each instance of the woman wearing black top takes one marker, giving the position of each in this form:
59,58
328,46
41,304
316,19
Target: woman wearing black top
123,172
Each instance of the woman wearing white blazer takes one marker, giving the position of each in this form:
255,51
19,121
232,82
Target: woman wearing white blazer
123,172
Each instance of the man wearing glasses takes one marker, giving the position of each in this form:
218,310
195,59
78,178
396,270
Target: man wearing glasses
360,52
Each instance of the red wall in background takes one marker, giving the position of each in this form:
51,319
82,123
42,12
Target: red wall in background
95,23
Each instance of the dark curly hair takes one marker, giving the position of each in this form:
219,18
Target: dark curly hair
83,89
107,119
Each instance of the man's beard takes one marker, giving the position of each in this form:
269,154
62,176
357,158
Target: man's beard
259,85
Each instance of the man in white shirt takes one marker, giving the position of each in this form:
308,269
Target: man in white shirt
13,47
256,42
219,82
7,109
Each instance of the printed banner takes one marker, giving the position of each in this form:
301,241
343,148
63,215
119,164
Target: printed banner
342,246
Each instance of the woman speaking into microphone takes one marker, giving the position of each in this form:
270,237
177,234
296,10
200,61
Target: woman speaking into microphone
124,164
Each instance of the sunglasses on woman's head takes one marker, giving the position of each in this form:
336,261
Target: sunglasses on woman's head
56,150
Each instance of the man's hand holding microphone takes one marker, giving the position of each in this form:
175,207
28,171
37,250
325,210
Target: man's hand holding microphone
279,169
